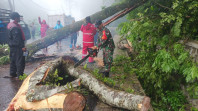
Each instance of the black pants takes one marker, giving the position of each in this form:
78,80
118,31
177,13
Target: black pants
17,62
73,40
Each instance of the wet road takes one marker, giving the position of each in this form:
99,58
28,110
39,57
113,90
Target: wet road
9,86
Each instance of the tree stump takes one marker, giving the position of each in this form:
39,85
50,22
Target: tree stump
74,101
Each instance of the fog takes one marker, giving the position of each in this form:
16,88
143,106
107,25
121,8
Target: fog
79,9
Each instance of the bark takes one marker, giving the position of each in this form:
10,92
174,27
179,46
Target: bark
36,91
56,35
108,95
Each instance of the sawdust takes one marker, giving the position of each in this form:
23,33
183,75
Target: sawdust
19,101
99,61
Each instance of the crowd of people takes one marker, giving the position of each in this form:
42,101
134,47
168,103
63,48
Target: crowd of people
95,36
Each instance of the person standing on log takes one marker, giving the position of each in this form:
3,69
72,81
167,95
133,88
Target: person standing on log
16,42
106,43
44,28
58,26
89,31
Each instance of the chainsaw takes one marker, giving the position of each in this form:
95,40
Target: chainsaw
91,53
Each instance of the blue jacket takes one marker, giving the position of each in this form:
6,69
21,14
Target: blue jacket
1,24
58,26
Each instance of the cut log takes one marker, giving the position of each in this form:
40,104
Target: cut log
36,91
74,101
20,102
56,35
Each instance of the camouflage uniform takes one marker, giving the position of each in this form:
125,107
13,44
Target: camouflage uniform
106,43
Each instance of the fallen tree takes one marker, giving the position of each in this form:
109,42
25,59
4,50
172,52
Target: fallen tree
56,35
108,95
30,94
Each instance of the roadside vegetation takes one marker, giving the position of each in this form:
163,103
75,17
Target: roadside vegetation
4,54
161,61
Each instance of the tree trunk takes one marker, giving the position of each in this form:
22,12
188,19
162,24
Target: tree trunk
32,92
108,95
56,35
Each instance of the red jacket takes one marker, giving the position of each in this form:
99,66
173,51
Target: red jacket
44,27
89,31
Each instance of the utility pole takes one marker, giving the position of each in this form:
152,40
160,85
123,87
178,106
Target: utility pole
11,5
69,5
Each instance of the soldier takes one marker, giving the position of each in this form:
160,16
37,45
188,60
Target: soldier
105,42
17,46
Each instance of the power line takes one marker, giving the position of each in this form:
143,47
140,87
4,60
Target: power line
42,7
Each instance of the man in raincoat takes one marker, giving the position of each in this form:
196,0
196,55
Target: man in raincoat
16,42
106,43
89,31
58,26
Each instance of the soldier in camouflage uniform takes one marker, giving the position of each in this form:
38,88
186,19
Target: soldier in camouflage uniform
106,43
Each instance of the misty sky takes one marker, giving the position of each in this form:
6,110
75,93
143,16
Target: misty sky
79,9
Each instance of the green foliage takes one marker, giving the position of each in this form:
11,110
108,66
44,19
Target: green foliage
22,77
162,63
85,66
21,109
119,2
173,99
121,65
4,46
4,60
193,90
103,7
130,90
69,88
194,109
53,79
106,80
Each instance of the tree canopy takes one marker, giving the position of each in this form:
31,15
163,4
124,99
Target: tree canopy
161,62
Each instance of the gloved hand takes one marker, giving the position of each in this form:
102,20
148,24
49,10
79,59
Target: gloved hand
94,47
24,49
